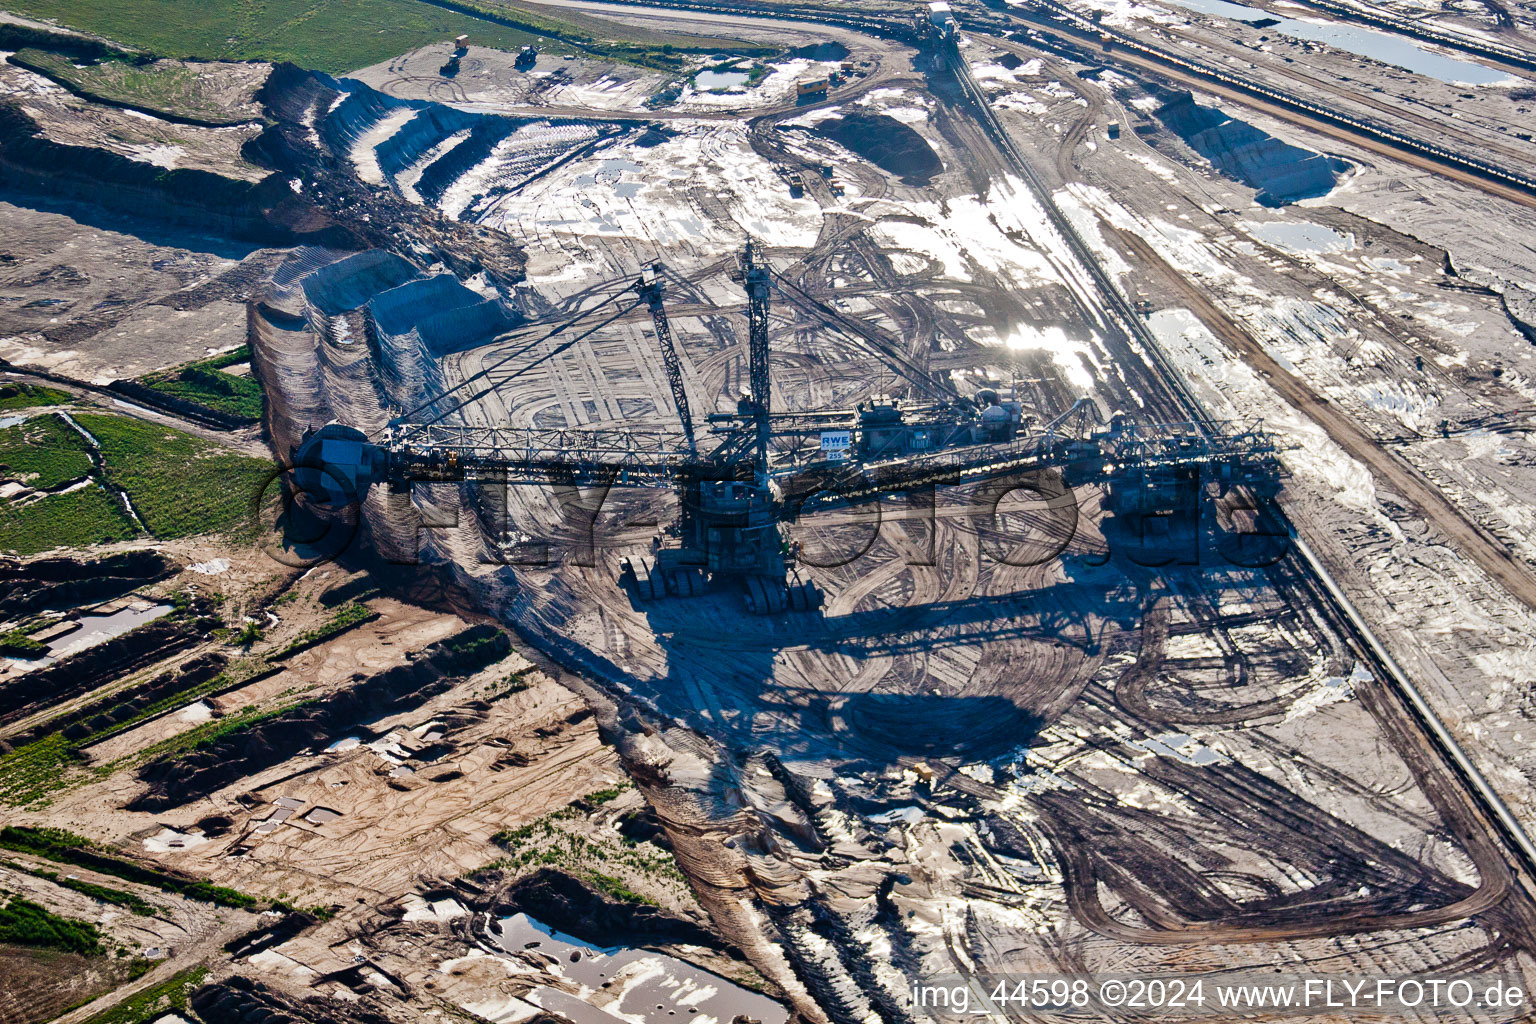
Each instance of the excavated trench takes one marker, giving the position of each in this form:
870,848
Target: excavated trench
569,905
1281,172
126,704
81,672
44,584
245,752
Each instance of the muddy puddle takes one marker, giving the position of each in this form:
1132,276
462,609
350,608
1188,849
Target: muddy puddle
88,630
709,81
1302,237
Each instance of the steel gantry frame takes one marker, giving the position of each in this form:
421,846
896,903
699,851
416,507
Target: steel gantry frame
754,275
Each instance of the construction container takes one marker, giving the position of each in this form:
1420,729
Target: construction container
941,19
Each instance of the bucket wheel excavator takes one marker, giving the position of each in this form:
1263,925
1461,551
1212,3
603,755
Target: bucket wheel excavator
753,470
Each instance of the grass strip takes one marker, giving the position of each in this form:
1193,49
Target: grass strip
170,996
345,618
117,897
204,383
205,735
64,847
608,885
29,396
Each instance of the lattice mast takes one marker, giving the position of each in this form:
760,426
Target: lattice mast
650,292
754,274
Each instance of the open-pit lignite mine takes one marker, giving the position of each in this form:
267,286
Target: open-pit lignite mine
746,514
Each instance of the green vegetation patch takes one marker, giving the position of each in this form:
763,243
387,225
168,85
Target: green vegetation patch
170,996
29,396
615,888
602,796
44,453
342,620
116,897
24,923
551,841
328,35
17,644
205,383
74,519
512,838
64,847
179,484
30,772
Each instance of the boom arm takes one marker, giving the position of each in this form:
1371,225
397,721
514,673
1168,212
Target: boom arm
650,293
640,457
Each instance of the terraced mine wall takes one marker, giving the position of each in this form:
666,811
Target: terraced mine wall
1281,172
357,338
347,331
267,212
446,146
244,752
315,122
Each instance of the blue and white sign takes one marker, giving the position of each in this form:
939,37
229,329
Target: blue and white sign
835,444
